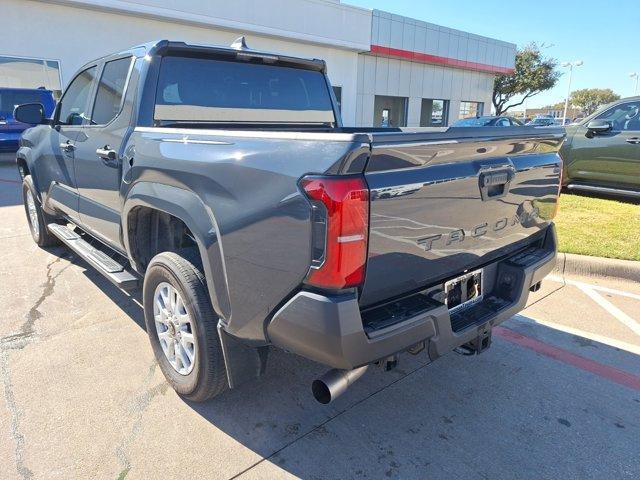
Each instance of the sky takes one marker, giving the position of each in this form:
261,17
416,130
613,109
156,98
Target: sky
604,34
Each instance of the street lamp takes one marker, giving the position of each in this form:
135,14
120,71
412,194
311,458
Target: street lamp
636,76
570,66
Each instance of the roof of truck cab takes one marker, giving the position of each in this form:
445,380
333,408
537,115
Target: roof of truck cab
165,47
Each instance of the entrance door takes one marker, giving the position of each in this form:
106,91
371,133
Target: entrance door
389,111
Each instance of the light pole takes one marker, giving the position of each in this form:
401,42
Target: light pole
636,76
570,65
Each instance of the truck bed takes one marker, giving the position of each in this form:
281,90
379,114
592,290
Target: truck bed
423,183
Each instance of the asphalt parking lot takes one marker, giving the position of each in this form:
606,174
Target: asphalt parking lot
557,395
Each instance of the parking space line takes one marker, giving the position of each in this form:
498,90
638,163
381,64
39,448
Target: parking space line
592,292
576,283
611,342
612,309
605,371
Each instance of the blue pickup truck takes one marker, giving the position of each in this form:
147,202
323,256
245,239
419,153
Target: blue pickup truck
222,181
10,98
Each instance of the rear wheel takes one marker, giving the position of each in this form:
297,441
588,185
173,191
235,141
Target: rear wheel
182,327
36,217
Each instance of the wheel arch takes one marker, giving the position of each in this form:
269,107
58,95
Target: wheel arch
23,166
24,163
187,207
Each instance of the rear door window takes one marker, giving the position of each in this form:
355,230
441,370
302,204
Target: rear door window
110,91
218,91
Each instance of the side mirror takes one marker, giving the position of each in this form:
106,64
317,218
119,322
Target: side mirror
31,113
599,126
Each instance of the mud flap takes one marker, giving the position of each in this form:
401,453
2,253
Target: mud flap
243,363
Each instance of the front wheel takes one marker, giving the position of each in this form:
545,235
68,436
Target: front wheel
36,217
182,327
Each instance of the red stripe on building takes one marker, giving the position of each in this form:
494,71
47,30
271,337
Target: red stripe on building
605,371
435,59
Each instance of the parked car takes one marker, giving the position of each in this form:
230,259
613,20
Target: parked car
487,122
542,122
222,181
10,129
602,153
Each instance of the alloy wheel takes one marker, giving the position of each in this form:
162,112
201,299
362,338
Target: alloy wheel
174,328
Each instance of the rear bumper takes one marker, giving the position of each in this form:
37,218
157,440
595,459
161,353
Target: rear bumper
330,329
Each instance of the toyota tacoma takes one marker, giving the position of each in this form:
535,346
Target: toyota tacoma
221,181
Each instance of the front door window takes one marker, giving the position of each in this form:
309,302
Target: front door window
73,109
625,116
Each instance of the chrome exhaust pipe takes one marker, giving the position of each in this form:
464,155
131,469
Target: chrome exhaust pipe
334,383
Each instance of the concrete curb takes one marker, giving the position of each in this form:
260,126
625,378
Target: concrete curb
586,266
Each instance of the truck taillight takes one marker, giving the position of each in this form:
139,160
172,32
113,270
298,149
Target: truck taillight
340,230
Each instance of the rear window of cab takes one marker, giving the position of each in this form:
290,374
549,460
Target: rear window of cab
219,91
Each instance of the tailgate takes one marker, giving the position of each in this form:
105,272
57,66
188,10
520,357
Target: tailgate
446,202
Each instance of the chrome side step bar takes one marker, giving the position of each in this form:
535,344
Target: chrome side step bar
115,272
612,191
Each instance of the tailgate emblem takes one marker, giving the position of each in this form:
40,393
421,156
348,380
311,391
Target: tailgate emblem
526,216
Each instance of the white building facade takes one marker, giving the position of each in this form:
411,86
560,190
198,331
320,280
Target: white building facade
386,70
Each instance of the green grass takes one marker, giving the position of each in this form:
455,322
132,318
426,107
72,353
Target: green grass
599,227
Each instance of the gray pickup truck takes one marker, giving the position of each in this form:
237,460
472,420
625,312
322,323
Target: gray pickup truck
222,182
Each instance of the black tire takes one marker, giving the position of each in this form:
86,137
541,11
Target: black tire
208,377
37,225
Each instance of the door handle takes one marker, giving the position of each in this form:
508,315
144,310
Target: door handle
633,140
67,146
495,184
106,153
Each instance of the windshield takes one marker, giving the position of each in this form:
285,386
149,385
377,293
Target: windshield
473,122
10,99
218,91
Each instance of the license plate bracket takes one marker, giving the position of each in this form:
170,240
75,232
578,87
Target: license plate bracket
464,291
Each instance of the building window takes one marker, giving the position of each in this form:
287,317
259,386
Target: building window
16,72
390,111
337,91
434,113
471,109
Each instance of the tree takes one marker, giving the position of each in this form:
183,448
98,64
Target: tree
555,106
533,74
589,99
